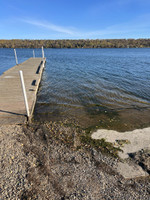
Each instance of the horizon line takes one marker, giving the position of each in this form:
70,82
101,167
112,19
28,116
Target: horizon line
84,39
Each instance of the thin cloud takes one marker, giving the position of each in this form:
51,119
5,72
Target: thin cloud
49,26
138,25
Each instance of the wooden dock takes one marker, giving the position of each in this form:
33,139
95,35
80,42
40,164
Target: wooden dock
12,106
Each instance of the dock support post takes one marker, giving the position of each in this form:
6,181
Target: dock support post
24,93
42,52
16,57
33,54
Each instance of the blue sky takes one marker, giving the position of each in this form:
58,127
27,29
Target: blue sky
74,19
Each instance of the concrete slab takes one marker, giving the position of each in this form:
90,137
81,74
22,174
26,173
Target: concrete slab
131,171
129,141
12,108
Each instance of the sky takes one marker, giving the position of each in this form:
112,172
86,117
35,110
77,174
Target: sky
74,19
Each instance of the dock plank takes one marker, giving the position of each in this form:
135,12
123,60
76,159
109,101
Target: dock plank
12,108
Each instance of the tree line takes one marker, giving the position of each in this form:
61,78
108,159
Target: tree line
98,43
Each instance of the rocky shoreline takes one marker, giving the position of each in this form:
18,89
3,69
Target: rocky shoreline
49,161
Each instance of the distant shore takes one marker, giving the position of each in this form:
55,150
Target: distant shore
66,43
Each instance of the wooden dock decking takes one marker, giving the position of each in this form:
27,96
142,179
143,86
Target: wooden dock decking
12,107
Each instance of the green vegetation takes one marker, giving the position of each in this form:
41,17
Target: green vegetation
121,143
107,43
102,145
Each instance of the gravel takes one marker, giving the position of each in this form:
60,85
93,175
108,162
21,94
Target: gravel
42,162
142,158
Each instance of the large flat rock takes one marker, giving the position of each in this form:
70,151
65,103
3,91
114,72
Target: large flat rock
130,171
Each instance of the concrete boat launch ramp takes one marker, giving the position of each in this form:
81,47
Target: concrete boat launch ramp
12,106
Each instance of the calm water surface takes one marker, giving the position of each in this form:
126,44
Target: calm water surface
93,86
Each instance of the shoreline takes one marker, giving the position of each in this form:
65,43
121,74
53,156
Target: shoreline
117,120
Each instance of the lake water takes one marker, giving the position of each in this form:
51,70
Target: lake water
107,88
